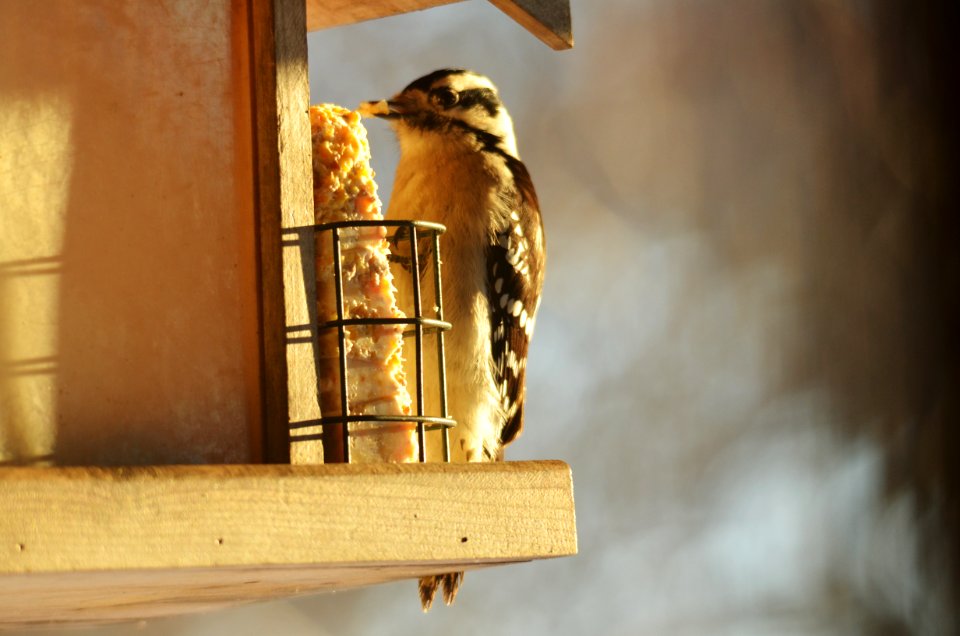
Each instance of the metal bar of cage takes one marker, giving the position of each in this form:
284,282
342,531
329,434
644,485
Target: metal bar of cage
418,336
420,326
341,340
441,356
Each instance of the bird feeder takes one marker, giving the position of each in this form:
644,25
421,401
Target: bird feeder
155,329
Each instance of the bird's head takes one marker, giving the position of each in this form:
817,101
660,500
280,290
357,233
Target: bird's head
454,103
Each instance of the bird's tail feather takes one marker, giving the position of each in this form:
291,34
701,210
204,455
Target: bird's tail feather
429,585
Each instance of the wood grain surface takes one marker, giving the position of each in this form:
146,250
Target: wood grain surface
549,20
284,197
129,331
323,14
262,530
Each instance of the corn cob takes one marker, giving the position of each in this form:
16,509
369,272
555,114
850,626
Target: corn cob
344,190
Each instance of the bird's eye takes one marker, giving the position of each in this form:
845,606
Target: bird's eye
444,97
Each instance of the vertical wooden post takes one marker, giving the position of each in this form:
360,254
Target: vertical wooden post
284,197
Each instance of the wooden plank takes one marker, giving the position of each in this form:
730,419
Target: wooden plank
129,331
97,544
87,518
88,543
549,20
323,14
284,197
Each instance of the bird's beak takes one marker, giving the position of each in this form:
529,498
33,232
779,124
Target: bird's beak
385,109
374,109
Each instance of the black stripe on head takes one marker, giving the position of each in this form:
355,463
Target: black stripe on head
488,141
425,82
480,97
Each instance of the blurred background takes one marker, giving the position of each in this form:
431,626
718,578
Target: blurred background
746,347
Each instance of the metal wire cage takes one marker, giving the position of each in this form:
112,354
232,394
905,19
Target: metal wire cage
418,236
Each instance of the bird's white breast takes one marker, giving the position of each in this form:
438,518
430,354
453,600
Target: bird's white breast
456,185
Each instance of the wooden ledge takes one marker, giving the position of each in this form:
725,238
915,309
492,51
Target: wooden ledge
102,544
549,20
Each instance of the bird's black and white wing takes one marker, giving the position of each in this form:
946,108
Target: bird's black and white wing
515,262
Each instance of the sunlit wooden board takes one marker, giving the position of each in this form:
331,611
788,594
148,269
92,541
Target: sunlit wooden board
549,20
100,544
129,326
323,14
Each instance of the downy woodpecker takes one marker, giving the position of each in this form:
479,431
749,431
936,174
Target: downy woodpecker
459,166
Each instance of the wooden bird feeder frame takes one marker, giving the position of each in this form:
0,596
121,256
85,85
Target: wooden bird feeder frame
157,293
